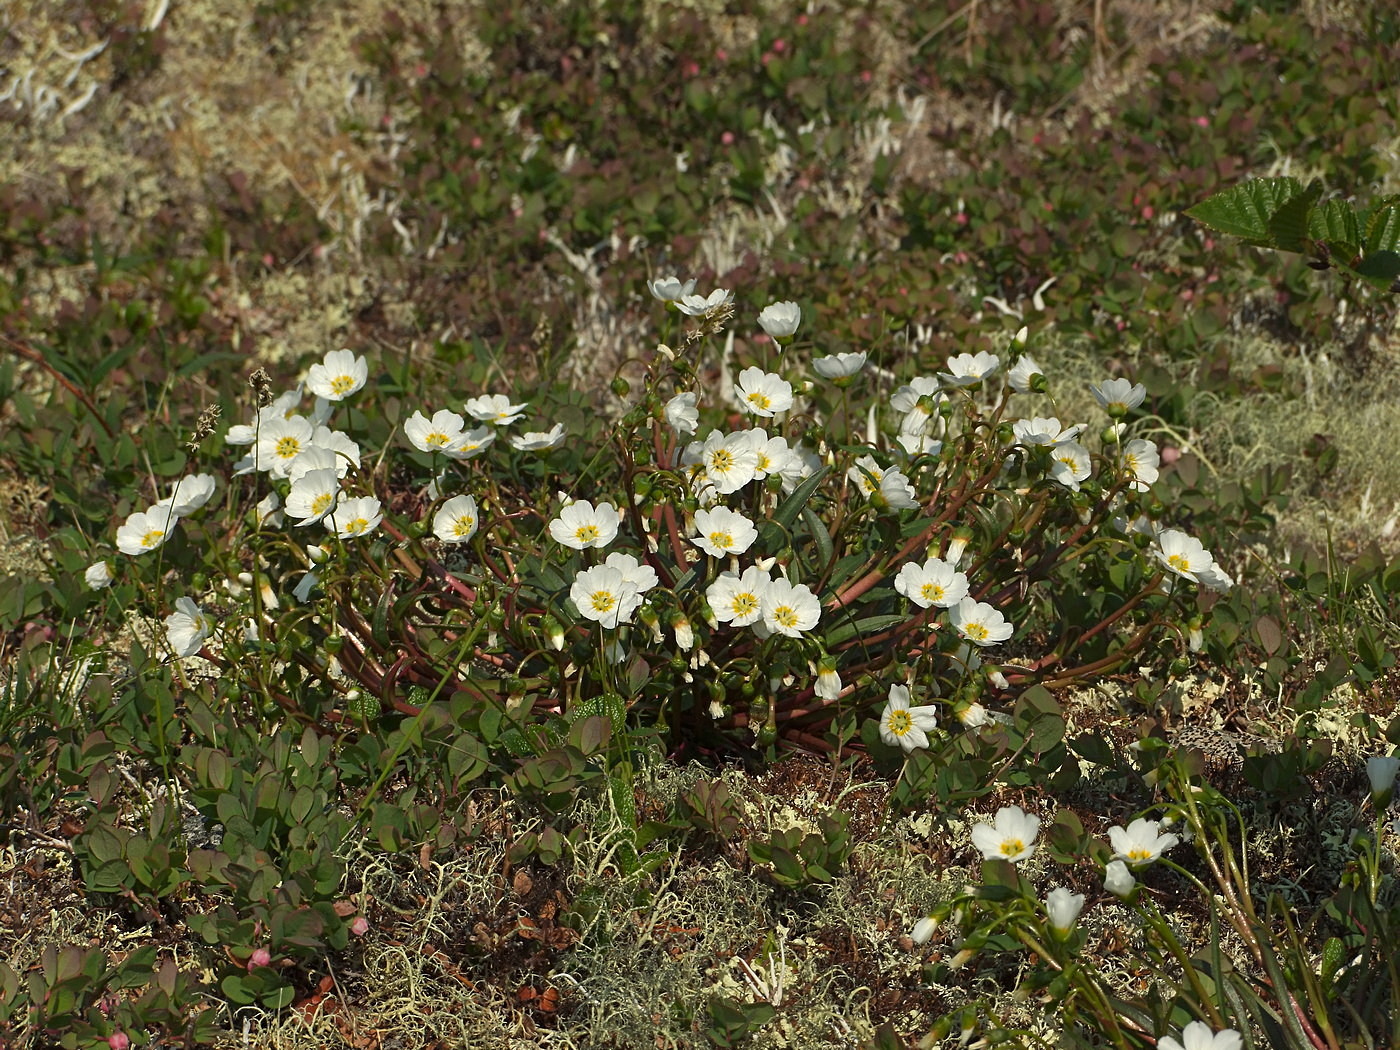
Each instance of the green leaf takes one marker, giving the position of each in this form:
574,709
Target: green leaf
1289,224
791,507
1334,223
1248,210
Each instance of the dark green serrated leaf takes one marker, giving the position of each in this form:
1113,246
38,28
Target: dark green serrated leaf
1247,210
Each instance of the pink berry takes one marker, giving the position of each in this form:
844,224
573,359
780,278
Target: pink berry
119,1041
360,926
260,957
727,138
779,45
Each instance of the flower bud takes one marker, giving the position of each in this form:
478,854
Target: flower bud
1381,771
554,631
1063,907
621,387
1118,880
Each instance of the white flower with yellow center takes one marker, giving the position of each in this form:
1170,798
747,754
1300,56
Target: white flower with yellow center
969,369
1182,554
703,305
495,409
1011,835
729,461
979,623
935,582
1141,458
146,530
313,495
737,598
789,608
356,516
763,393
339,375
1069,464
582,525
905,726
187,627
442,433
1022,372
723,531
456,520
279,442
604,595
1141,842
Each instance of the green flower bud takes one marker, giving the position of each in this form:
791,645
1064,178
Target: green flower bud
621,387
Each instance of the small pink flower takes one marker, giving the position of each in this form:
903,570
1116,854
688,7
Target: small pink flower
692,69
119,1041
360,926
960,218
721,55
1148,212
779,45
1203,122
802,20
727,138
260,957
866,76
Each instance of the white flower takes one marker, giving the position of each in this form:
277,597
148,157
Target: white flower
313,495
347,453
98,575
474,442
801,463
189,494
1182,554
1381,770
1140,456
302,591
356,516
839,366
969,369
495,409
919,444
917,402
246,433
973,715
1141,842
1063,908
978,622
268,511
1021,372
279,442
763,393
603,594
1117,396
729,460
187,627
146,530
1198,1036
315,458
669,289
773,453
780,320
896,492
789,608
1069,464
866,475
538,440
828,685
703,305
738,598
923,930
903,725
339,375
682,413
456,520
643,577
581,525
1010,836
723,531
935,582
442,433
1215,578
1044,430
1118,880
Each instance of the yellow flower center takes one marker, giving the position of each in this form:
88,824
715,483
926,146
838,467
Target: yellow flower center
932,591
722,461
976,631
343,384
463,525
760,400
320,504
586,533
1011,847
786,616
437,440
1137,853
1179,562
745,604
602,601
288,447
357,526
899,722
721,539
152,538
